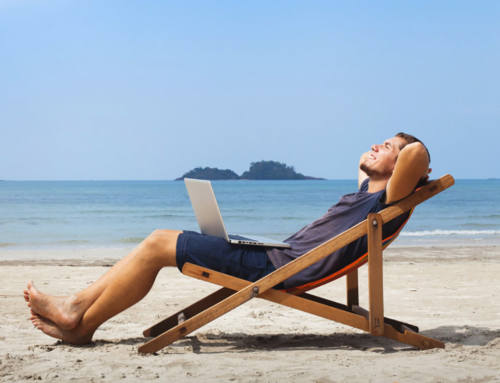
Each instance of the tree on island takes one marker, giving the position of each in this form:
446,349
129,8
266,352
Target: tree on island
272,170
210,174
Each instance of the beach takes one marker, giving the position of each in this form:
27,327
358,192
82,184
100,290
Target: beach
288,109
450,293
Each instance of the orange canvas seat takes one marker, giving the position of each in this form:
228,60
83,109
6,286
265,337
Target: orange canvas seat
348,268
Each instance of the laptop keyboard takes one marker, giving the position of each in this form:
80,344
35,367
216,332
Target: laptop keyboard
241,238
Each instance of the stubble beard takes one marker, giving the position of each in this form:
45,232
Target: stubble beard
369,172
373,173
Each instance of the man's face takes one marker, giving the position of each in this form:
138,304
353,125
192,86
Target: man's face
380,160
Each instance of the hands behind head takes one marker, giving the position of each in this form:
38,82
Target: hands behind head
425,178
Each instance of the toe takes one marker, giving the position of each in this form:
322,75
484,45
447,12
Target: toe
31,288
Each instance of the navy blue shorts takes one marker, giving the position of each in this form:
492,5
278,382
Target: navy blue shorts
245,262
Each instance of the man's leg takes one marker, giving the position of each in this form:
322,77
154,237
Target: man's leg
75,318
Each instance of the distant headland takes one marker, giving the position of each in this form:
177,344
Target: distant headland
261,170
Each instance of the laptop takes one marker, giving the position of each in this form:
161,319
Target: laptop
210,220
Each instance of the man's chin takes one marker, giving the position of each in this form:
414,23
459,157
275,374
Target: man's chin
369,172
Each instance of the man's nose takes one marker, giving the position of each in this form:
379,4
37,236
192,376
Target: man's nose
375,148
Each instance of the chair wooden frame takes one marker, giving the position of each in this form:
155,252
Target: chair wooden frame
236,291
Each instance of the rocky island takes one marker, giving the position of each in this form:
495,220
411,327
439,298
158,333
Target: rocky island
210,174
261,170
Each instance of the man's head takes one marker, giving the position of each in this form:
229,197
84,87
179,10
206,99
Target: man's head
379,162
410,140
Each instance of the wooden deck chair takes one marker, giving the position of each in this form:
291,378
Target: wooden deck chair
236,291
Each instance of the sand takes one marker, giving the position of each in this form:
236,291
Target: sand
452,294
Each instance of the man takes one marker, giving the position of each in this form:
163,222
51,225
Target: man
387,173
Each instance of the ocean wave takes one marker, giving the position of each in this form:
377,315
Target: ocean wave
131,240
33,220
72,242
44,243
439,232
486,216
478,225
166,216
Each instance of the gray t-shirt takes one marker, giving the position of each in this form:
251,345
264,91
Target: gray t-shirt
349,211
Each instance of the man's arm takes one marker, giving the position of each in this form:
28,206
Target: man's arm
411,166
361,174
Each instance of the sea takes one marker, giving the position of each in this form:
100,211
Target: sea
68,216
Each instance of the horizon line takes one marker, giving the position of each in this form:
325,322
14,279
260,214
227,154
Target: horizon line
174,180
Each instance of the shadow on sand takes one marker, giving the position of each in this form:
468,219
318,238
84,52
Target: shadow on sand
241,342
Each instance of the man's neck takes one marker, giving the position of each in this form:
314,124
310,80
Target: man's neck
376,185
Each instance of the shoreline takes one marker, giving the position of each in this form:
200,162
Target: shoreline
105,256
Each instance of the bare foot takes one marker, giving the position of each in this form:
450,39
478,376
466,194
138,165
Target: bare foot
51,329
64,312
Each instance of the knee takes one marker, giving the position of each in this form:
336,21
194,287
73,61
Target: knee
161,246
158,240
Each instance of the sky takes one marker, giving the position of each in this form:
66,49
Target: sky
146,90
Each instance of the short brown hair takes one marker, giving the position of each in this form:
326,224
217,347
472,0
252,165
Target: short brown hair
410,140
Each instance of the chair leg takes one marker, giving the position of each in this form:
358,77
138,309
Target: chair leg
352,288
398,325
375,277
209,314
188,312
